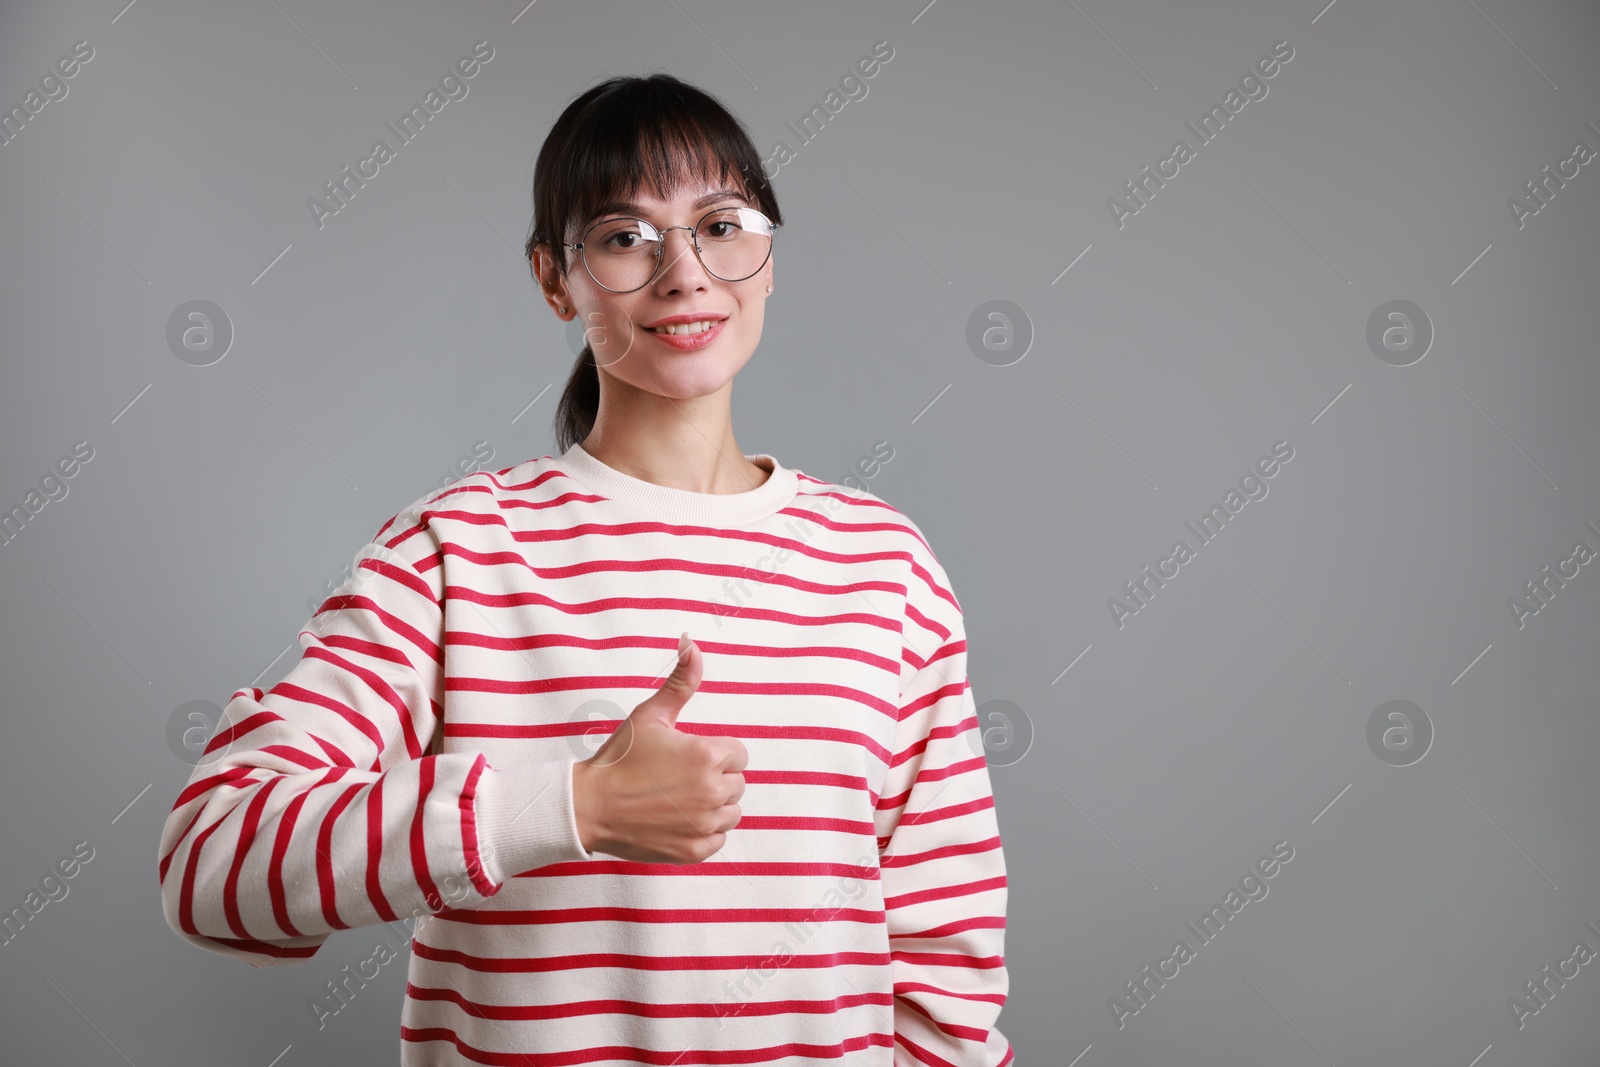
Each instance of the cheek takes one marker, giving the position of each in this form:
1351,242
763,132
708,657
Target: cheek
742,348
754,322
613,333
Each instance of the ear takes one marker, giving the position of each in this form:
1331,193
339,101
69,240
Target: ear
551,283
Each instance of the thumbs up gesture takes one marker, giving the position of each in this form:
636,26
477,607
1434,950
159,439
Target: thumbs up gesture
654,794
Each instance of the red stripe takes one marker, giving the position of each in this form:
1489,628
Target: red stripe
944,651
377,684
976,922
953,811
554,502
821,519
645,1009
426,769
405,576
247,835
754,776
849,738
206,785
633,1054
570,683
223,738
847,499
712,868
918,747
659,916
669,604
266,948
675,529
380,902
290,754
927,623
933,586
960,960
963,848
166,860
186,892
920,1054
391,622
280,850
959,1031
373,649
945,892
469,829
638,962
934,774
325,886
667,645
948,690
334,754
677,565
902,988
323,700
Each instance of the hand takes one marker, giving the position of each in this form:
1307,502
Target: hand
652,794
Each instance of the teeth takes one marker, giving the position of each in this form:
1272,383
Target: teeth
683,329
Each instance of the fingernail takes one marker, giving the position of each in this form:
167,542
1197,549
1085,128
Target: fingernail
683,647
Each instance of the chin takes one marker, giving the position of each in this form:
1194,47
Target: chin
690,385
714,362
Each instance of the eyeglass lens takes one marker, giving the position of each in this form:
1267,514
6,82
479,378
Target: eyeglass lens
621,253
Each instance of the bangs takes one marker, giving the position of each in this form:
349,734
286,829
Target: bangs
635,136
648,156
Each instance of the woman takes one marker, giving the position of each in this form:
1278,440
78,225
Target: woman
785,850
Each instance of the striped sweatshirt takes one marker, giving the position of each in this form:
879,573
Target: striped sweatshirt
414,768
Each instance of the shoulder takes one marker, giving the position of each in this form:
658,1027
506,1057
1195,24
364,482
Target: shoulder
448,514
853,508
930,599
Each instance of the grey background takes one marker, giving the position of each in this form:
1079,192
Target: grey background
1230,313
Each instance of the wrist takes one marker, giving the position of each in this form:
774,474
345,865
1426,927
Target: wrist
523,818
585,802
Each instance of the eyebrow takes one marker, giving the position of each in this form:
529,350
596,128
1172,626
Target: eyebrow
616,206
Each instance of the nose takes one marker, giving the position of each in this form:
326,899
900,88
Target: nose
680,265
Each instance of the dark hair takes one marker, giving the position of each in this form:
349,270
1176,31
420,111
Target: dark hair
624,134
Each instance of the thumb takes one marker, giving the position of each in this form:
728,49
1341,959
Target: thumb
680,685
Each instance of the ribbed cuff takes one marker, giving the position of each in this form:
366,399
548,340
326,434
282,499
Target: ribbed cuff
526,819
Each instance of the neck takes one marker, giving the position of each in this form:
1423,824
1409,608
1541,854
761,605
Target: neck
681,444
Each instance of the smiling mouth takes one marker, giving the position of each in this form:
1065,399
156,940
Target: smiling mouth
685,329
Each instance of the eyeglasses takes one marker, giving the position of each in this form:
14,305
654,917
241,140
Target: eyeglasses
624,254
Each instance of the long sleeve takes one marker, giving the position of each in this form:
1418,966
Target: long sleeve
326,802
942,865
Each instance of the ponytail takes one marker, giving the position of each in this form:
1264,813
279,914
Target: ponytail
580,402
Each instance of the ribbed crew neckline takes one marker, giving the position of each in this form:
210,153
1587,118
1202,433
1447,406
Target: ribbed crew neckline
683,505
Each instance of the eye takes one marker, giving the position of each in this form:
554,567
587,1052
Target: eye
724,224
621,235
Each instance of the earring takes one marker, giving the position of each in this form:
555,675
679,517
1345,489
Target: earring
563,311
769,287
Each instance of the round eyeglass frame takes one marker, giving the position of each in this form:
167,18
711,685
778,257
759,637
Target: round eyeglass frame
661,244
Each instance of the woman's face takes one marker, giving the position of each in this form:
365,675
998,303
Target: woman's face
617,325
